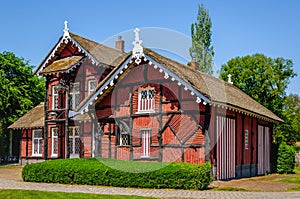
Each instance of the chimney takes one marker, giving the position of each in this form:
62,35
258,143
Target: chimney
120,44
194,64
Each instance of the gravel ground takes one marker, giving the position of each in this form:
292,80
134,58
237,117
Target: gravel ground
10,178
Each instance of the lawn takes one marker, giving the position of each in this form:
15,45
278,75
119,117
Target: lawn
293,178
30,194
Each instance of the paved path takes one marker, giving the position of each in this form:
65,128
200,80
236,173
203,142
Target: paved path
159,193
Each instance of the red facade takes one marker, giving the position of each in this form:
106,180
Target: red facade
143,115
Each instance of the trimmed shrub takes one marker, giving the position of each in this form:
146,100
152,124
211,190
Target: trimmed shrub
95,172
286,158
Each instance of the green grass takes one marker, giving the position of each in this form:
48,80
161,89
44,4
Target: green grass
294,189
229,189
29,194
295,178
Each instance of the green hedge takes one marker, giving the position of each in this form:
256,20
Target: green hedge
286,158
96,172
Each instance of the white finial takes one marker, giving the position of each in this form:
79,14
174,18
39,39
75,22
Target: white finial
66,30
229,79
137,51
137,36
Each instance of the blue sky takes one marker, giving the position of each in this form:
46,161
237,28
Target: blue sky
31,28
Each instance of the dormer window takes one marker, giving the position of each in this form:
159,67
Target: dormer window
146,102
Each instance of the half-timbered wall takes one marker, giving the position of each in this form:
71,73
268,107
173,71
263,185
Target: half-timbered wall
26,143
172,131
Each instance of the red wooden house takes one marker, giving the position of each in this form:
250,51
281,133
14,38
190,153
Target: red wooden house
142,106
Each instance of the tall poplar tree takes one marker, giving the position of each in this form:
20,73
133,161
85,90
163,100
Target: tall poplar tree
202,50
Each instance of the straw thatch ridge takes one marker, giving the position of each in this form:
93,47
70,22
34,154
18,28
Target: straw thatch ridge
32,119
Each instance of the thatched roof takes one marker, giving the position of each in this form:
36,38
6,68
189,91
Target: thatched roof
62,65
219,92
100,53
32,119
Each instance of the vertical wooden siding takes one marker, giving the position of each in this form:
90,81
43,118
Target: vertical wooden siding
226,134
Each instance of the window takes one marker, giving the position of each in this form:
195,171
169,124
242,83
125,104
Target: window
74,141
124,139
92,83
246,139
54,134
146,101
74,95
146,141
54,97
37,146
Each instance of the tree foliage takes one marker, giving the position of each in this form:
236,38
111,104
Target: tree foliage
20,91
265,79
201,48
286,158
291,116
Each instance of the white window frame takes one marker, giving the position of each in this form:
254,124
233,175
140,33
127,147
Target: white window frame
53,138
39,143
73,136
145,142
55,94
90,88
146,105
74,95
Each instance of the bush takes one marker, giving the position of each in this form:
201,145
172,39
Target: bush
297,148
95,172
286,158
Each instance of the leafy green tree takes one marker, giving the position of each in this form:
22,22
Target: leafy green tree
202,50
20,91
263,78
291,115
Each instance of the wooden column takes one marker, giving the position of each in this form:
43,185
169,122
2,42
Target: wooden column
26,144
46,123
207,139
131,122
67,154
160,141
